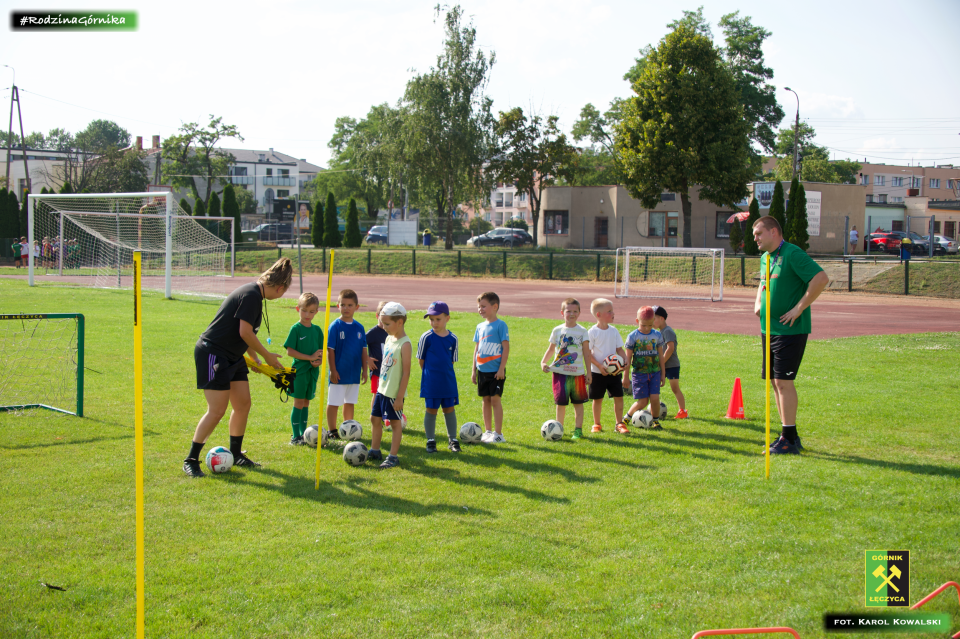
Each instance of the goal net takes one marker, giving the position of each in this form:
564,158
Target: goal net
43,362
90,239
669,273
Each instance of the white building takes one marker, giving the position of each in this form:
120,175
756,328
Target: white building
270,175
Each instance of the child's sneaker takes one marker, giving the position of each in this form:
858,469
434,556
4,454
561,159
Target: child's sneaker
597,428
192,468
374,455
622,428
487,437
577,433
454,446
297,441
656,425
498,438
681,414
243,461
391,461
784,446
431,446
333,433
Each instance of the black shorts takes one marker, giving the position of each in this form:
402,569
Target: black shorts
488,385
603,384
787,351
215,372
673,372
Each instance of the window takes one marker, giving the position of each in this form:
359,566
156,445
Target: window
508,199
668,197
523,197
269,172
897,181
916,182
882,198
557,223
896,199
936,226
238,170
658,224
723,229
869,199
878,180
934,183
864,179
498,198
284,173
897,225
283,193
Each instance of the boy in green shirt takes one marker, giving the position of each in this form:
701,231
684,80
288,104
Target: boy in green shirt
16,252
305,345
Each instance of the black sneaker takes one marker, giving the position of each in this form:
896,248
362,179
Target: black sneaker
784,446
454,446
656,425
333,434
374,455
192,468
297,441
783,439
243,461
431,446
391,461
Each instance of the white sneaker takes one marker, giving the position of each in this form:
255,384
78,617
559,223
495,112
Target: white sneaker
498,438
487,437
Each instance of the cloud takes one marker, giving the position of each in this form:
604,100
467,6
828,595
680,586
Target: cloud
824,105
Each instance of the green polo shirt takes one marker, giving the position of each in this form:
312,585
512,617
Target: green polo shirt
790,273
304,339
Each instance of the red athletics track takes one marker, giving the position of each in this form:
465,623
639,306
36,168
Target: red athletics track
834,314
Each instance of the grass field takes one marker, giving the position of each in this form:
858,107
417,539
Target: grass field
657,534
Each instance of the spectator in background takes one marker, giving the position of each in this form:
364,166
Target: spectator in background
854,237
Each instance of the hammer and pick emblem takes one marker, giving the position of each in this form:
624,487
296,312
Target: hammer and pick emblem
894,572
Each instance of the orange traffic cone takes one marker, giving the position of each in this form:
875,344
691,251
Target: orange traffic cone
735,409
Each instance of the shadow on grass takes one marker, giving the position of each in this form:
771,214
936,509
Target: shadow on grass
631,442
454,476
907,467
358,497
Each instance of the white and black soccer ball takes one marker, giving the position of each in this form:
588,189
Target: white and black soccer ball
642,419
613,364
313,435
355,453
470,433
552,430
663,410
350,430
219,459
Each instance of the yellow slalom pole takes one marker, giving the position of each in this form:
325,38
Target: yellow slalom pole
323,371
138,430
766,347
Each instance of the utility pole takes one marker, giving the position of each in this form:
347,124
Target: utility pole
796,134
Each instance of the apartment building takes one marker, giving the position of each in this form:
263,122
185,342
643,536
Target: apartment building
893,183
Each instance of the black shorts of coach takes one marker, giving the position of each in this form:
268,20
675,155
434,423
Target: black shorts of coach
216,372
787,352
603,384
488,385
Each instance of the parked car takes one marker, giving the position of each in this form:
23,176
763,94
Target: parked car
883,242
377,235
275,232
948,243
505,237
920,245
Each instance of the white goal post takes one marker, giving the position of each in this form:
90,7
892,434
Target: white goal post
669,273
89,239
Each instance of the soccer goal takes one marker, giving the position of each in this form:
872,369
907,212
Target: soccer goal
89,240
43,362
669,273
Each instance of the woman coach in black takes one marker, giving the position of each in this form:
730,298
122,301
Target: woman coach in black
221,370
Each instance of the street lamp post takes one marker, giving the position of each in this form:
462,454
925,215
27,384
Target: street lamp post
796,133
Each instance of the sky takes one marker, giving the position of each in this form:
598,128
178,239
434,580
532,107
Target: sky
877,81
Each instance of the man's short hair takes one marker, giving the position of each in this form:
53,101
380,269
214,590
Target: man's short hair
570,301
768,222
308,299
597,304
646,313
490,297
348,294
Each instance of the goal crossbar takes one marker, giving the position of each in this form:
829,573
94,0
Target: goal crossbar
669,273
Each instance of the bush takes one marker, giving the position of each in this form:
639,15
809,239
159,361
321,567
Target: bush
517,223
352,237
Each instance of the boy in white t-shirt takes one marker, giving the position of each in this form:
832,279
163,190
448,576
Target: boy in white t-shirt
605,340
565,359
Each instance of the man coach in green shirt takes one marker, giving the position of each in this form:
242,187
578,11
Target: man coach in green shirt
795,282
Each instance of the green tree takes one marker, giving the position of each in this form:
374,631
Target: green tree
777,206
331,226
749,243
602,157
13,214
24,222
214,205
101,135
517,223
66,189
479,226
316,225
185,205
199,209
352,237
246,201
119,171
591,166
9,224
193,156
232,209
447,130
685,127
789,211
532,154
798,220
736,236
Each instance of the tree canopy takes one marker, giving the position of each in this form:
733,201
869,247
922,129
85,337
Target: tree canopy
194,155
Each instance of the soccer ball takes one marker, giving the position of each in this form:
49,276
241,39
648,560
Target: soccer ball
350,430
613,364
355,453
663,409
552,430
642,419
219,459
470,433
311,436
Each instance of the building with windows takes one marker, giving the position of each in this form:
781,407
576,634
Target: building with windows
270,175
892,184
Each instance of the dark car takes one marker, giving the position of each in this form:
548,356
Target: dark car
505,237
885,242
275,232
377,235
920,245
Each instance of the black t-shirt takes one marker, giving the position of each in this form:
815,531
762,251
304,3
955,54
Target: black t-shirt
222,337
376,336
